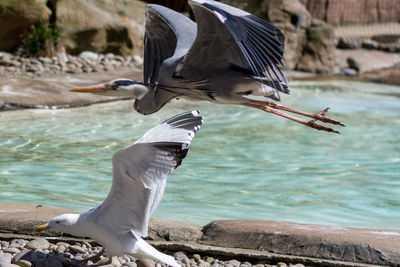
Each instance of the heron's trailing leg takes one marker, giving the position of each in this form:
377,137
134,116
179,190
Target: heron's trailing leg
265,107
320,116
94,258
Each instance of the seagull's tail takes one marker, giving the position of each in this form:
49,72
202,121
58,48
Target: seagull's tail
145,250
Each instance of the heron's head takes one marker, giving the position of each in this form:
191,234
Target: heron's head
119,87
61,223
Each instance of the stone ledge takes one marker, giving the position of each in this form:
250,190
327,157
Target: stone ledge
315,245
320,241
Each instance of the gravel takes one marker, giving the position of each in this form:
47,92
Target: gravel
12,66
42,253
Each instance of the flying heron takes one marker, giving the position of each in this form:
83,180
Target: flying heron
225,57
139,176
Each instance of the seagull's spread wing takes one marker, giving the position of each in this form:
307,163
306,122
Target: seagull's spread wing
230,37
168,33
140,172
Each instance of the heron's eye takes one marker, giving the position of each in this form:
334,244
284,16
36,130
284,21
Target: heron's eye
114,86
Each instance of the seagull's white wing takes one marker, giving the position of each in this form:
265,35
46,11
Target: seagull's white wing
140,172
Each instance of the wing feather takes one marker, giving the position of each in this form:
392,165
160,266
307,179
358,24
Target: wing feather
229,36
140,173
168,33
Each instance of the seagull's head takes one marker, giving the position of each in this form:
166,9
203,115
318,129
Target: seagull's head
119,87
61,223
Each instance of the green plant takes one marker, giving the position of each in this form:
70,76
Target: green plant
42,40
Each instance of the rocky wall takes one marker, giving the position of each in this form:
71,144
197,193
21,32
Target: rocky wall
354,11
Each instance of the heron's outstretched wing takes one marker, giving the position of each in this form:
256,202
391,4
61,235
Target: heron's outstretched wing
168,33
140,172
227,36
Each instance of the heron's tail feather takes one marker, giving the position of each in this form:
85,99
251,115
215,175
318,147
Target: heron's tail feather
145,250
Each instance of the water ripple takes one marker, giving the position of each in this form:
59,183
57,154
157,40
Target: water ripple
243,164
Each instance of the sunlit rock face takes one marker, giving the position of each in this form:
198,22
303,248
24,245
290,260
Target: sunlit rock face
16,20
102,26
354,11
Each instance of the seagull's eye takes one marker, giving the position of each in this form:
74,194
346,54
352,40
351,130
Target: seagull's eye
57,222
114,87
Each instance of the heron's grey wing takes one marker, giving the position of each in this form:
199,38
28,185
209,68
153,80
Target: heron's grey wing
229,37
168,33
140,172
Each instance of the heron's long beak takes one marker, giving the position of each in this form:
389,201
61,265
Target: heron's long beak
98,88
42,228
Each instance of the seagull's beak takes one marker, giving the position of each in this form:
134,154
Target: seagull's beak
98,88
42,228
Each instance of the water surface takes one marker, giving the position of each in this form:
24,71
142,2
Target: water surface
243,163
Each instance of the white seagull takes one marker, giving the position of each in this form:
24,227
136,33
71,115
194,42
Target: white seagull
139,176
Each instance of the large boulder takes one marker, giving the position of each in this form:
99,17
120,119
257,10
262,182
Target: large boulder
318,54
16,20
101,26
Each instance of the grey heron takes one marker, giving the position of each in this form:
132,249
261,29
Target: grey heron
225,57
139,176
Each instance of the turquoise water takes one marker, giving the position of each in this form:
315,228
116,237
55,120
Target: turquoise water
243,163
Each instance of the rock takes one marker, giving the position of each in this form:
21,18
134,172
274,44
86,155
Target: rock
369,44
318,52
349,43
365,245
355,12
11,250
196,257
145,263
354,63
281,264
11,265
39,243
173,231
61,249
24,263
77,249
180,256
5,259
19,16
234,263
88,55
130,264
348,72
98,26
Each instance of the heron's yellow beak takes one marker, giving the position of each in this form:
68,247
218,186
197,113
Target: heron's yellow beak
41,228
90,89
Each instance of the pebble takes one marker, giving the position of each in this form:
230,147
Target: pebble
14,66
24,263
196,257
5,259
39,243
77,249
60,254
145,263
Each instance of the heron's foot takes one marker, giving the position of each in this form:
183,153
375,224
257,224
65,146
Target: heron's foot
320,127
265,106
320,116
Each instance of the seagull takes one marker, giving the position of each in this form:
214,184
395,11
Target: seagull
139,176
228,56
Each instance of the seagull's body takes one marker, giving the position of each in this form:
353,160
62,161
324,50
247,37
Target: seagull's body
139,177
225,57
